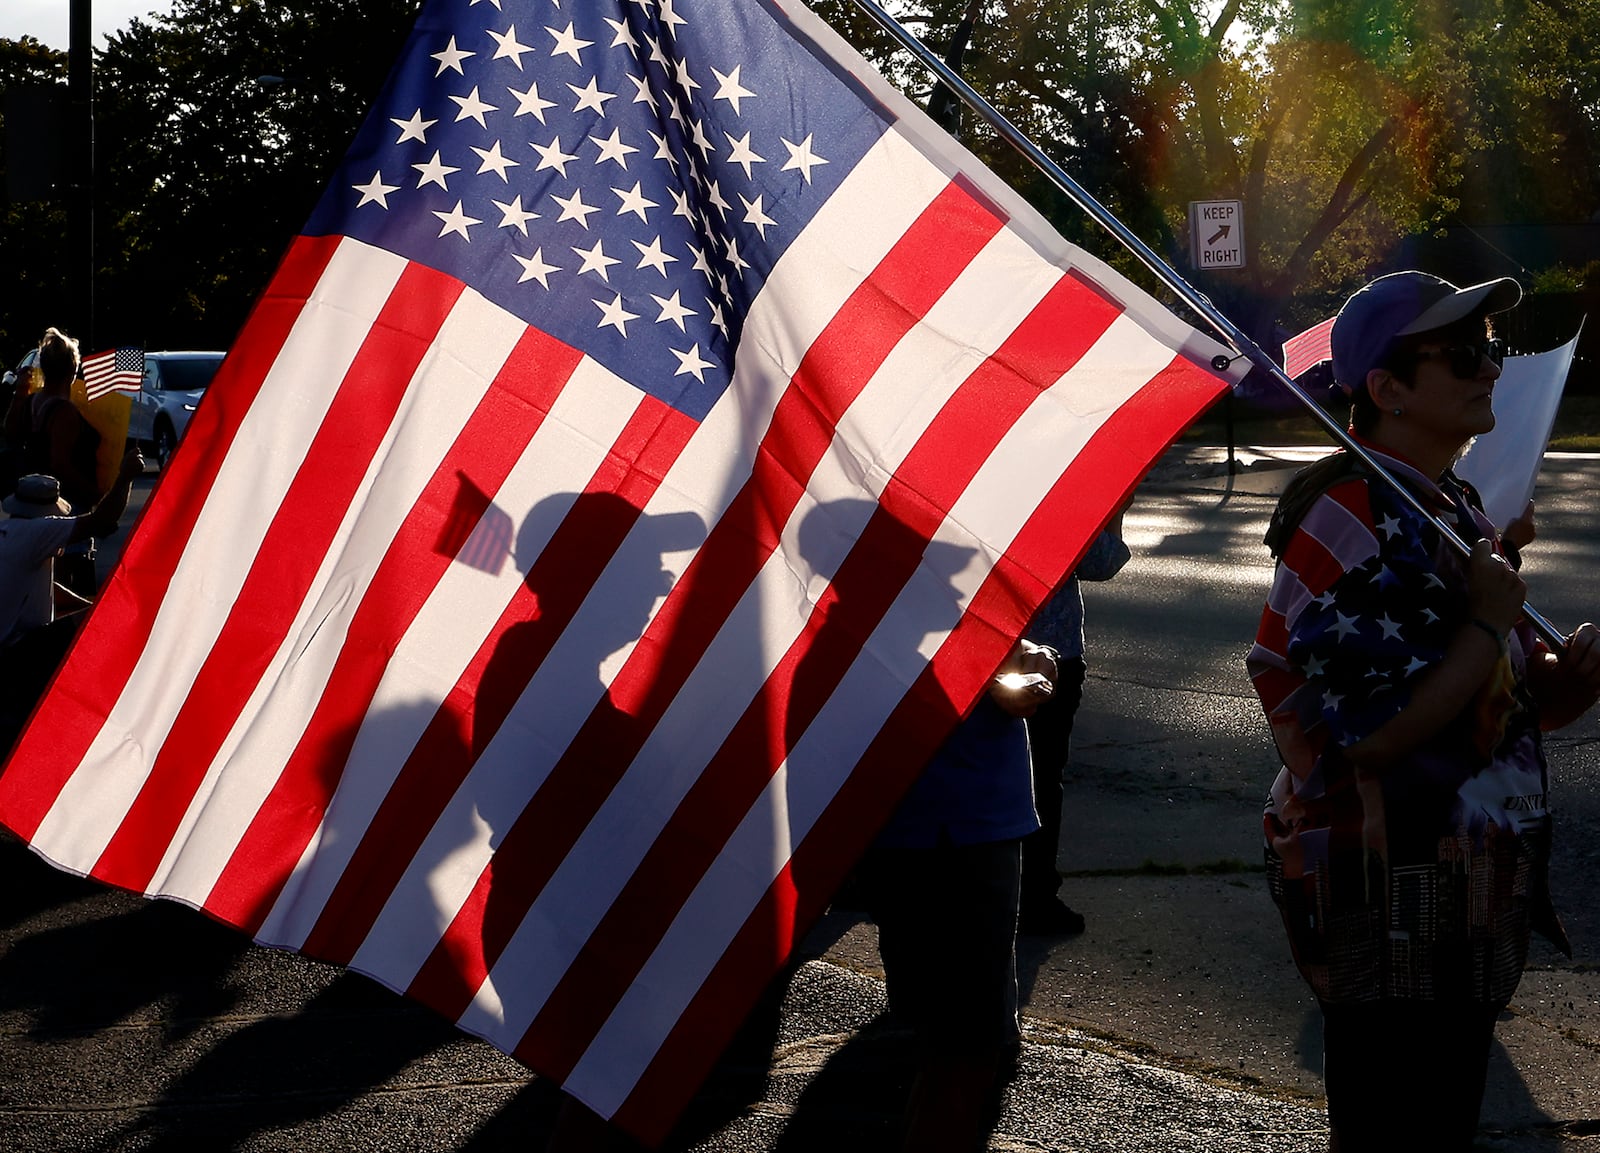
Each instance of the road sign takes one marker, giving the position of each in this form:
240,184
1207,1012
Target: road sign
1216,234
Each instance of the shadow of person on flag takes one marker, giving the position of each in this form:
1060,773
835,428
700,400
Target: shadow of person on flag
593,572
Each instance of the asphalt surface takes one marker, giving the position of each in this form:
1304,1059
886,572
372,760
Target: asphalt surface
1176,1022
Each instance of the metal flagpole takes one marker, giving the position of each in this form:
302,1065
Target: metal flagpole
1192,296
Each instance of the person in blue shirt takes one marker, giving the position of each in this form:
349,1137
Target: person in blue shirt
943,882
1059,625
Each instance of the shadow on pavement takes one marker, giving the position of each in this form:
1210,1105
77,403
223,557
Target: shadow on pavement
281,1072
76,975
33,886
82,978
856,1102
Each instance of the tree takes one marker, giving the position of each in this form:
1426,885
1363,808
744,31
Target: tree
218,127
33,284
1345,126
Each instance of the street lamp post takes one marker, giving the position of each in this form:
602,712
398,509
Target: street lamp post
80,151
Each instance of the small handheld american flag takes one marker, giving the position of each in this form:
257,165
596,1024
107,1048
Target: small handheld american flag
114,370
1309,348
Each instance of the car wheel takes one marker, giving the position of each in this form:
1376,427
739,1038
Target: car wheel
165,442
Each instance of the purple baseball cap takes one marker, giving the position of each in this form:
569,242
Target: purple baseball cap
1402,304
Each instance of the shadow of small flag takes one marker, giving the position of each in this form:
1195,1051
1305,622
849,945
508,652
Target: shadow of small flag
477,533
943,104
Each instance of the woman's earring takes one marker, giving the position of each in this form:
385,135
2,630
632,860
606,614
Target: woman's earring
1397,411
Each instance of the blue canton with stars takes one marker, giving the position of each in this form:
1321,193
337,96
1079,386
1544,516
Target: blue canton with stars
1364,641
622,174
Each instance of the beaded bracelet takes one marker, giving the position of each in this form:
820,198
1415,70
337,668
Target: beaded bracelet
1495,634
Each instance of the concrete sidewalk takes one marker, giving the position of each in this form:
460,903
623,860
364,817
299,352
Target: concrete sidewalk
135,1025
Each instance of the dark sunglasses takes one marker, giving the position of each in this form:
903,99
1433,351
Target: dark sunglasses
1465,359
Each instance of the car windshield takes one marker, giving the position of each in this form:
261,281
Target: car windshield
188,375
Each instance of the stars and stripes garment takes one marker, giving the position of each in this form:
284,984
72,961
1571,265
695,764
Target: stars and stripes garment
115,370
1421,883
655,441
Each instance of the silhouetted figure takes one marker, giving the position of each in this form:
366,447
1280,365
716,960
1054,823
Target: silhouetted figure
38,616
1059,625
55,440
943,878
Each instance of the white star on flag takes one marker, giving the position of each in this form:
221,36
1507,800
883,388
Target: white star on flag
456,221
801,157
530,104
450,58
573,208
492,160
375,191
595,260
692,363
615,315
434,171
473,108
534,268
729,88
507,46
653,256
513,215
568,44
673,310
413,128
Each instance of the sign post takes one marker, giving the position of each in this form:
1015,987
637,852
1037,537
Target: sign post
1216,234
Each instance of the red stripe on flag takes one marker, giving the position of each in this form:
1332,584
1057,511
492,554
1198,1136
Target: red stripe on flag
291,553
1274,686
907,282
965,434
483,697
490,443
1059,530
111,642
1309,559
1312,560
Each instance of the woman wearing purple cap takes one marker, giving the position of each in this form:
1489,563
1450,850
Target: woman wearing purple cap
1407,836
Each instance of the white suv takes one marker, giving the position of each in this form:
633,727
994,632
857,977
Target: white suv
173,385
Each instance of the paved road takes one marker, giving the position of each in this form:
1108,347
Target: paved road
1175,1023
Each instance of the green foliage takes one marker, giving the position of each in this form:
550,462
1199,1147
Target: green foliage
204,174
32,287
1346,126
211,170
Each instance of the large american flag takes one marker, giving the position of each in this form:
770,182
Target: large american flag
652,446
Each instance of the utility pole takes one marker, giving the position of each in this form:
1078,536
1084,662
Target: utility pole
79,148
